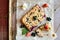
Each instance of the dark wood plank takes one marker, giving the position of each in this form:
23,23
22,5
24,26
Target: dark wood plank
4,19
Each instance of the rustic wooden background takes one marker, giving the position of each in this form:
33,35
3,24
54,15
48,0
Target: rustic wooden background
4,19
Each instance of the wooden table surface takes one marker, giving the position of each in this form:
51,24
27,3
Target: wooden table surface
4,19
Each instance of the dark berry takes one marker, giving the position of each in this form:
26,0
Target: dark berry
27,19
44,15
48,19
34,17
38,10
36,32
33,34
32,27
22,26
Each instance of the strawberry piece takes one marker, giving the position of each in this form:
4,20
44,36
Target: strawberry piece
46,26
28,34
45,5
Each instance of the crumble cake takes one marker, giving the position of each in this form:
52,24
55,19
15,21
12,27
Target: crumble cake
32,18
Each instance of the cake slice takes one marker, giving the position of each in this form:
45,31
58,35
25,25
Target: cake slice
43,29
33,17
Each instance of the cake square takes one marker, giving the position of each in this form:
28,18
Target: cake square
33,17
